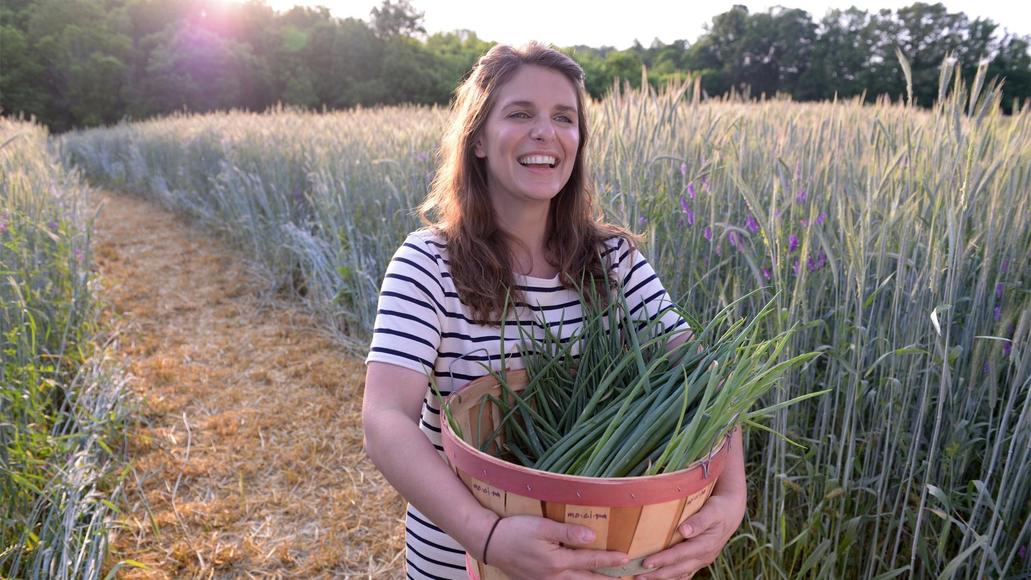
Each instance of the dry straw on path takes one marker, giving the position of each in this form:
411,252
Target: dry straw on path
247,461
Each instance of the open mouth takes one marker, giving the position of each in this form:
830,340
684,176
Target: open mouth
538,161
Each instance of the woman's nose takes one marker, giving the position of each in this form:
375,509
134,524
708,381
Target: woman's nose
542,130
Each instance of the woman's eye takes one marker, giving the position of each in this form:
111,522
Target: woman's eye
564,119
520,115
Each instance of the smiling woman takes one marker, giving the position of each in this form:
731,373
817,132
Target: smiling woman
513,239
529,143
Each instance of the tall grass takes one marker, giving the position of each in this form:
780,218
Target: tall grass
59,403
897,238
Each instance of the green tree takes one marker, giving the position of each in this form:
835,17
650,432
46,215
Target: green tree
18,69
718,53
457,52
196,69
1012,64
597,79
395,19
926,34
81,54
624,65
840,56
349,59
411,74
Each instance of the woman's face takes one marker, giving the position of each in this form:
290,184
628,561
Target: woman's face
530,138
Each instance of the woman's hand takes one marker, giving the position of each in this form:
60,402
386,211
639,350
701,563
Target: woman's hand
708,530
529,548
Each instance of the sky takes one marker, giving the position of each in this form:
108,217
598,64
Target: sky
596,24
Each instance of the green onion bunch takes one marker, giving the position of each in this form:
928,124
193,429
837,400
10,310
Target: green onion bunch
630,405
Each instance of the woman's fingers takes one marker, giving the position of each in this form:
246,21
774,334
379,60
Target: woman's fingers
569,534
580,558
688,557
531,548
584,559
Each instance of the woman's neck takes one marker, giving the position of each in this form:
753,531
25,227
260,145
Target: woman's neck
529,228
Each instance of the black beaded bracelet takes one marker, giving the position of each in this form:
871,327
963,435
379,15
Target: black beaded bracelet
487,543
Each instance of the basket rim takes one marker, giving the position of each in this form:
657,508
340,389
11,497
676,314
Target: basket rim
578,489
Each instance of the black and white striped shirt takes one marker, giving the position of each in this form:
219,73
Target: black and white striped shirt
422,325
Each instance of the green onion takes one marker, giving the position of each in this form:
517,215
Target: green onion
635,406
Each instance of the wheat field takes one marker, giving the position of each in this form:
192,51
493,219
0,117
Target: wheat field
898,238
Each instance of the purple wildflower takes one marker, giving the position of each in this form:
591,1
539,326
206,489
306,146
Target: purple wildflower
733,239
1007,347
792,243
687,211
766,273
79,254
814,263
986,368
707,233
683,170
998,313
752,225
690,190
1022,552
822,217
998,291
795,267
705,184
53,225
1005,266
642,220
801,196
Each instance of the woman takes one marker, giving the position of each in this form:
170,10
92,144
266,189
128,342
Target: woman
510,209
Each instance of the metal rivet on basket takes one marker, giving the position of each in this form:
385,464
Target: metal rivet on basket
678,488
633,496
578,494
528,488
484,473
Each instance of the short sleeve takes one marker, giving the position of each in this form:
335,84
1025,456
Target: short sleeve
645,294
407,329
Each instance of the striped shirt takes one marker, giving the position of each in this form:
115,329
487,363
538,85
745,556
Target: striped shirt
421,324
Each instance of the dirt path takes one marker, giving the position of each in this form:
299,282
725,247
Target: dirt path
247,461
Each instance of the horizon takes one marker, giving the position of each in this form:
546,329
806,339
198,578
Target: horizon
621,30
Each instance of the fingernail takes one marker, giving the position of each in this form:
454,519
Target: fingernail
587,536
686,530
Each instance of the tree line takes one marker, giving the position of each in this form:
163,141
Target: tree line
78,63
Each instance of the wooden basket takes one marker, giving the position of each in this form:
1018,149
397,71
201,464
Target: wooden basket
635,515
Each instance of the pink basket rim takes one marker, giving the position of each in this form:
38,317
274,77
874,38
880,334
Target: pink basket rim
579,490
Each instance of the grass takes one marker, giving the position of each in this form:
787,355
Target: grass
895,238
60,404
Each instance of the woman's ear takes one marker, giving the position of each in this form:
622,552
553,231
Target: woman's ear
478,149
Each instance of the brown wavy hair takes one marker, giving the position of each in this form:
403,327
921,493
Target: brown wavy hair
459,208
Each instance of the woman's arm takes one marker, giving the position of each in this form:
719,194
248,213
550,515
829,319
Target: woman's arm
390,415
523,546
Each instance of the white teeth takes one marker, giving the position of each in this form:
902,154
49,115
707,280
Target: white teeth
537,160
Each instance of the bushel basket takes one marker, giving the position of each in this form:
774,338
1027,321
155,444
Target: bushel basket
635,515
